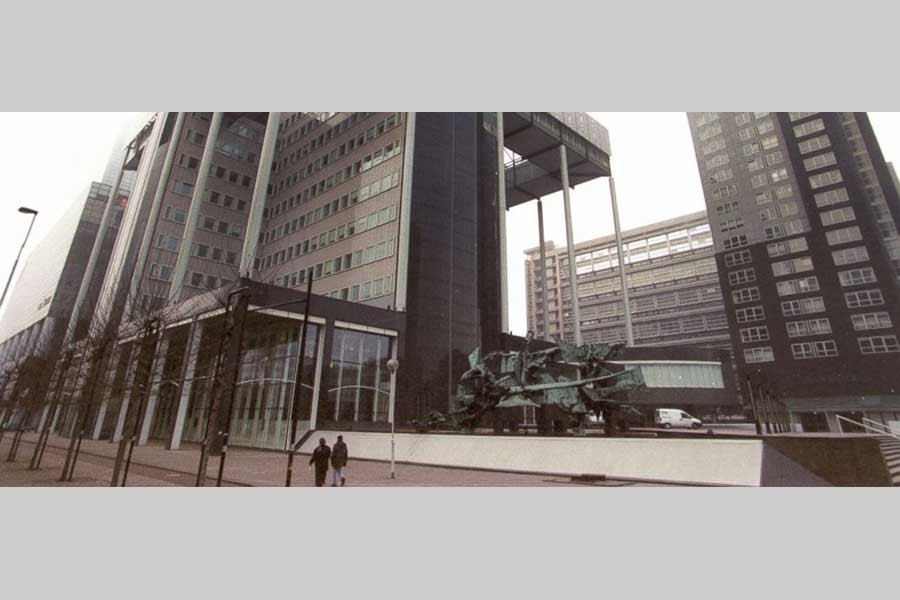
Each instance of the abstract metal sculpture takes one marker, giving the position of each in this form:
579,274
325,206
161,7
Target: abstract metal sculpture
575,380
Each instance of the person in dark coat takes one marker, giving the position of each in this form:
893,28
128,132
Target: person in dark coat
339,457
320,457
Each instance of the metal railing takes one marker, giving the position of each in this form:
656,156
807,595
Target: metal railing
876,425
869,428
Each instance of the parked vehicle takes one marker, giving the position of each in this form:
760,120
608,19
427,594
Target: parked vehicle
595,419
672,417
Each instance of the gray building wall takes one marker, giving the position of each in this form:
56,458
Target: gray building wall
672,280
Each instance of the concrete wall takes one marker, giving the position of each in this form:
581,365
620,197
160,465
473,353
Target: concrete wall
709,462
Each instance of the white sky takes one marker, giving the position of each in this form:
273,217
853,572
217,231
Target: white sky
48,159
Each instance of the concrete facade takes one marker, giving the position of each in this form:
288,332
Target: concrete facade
804,217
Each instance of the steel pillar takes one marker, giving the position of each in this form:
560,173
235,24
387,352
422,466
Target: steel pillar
260,189
570,244
629,333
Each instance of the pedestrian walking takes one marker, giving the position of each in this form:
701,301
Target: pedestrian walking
339,457
320,458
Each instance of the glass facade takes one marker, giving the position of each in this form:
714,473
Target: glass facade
357,380
261,415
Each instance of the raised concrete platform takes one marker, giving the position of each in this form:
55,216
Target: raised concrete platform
700,462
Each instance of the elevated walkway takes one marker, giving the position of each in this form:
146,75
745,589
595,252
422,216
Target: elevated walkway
535,138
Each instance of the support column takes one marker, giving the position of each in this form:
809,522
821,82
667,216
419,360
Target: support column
55,417
190,226
104,400
43,419
623,276
260,191
570,243
501,222
155,207
546,319
127,389
189,367
154,387
317,383
401,280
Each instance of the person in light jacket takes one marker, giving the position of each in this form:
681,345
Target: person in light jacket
338,462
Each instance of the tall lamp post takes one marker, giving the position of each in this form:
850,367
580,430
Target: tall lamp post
392,365
25,211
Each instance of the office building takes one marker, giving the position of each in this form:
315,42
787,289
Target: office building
804,215
40,304
672,282
397,218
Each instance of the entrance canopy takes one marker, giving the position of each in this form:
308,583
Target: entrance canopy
535,137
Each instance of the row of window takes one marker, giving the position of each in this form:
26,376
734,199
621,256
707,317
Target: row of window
878,344
365,291
683,325
227,201
800,264
334,235
214,253
209,282
223,227
326,183
654,302
316,121
346,201
333,266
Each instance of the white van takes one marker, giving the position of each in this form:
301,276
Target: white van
672,417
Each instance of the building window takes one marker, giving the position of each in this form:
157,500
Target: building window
791,246
879,344
839,215
797,286
735,241
750,314
827,178
809,128
805,306
744,295
830,197
864,298
754,334
843,236
820,161
857,277
760,354
849,256
809,327
801,264
813,144
742,276
737,258
183,188
822,349
867,321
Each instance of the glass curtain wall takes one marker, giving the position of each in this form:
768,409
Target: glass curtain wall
357,381
263,400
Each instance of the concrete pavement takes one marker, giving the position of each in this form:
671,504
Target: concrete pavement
153,465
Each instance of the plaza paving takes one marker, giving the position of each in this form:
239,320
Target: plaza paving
153,465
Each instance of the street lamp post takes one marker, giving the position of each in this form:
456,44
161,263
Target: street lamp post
392,365
26,211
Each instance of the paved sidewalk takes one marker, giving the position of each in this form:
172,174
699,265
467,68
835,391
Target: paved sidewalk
153,465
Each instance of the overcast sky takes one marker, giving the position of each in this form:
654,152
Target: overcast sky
48,159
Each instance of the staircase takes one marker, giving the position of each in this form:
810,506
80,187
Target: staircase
890,450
